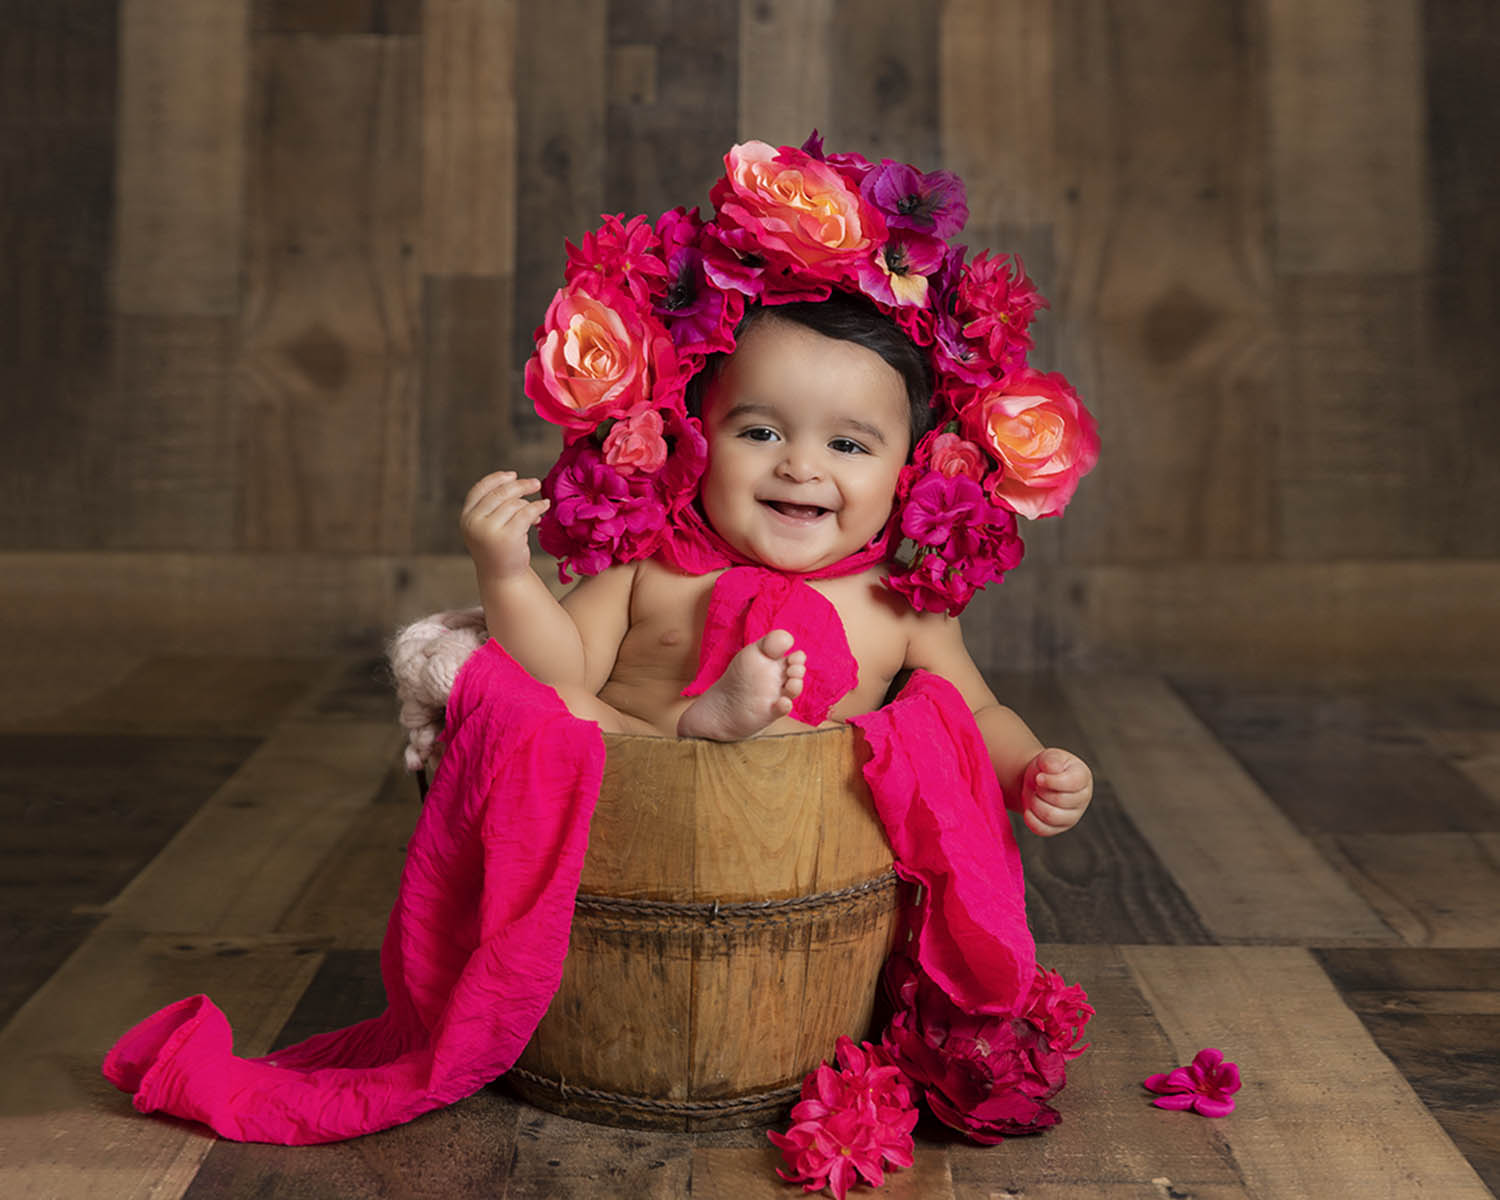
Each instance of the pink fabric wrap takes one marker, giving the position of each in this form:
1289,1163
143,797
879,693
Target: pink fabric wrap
475,945
472,954
936,794
746,604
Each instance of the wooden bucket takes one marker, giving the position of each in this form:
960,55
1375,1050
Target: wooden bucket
736,906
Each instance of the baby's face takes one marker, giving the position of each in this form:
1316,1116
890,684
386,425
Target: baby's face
806,438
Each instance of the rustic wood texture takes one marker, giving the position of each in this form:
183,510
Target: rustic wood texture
273,271
742,1004
1371,1064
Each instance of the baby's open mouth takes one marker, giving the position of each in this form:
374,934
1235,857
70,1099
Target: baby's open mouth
802,512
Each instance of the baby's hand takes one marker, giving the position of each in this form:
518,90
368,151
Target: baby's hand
496,518
1056,789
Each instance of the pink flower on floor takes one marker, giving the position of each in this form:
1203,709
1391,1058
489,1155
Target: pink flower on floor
850,1124
1206,1087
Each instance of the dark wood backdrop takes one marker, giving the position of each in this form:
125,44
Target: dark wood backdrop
269,271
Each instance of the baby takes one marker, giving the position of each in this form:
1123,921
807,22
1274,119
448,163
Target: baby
809,422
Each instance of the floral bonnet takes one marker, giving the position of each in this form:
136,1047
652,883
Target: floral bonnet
644,305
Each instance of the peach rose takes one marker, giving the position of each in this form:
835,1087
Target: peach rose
594,359
1043,437
796,206
636,444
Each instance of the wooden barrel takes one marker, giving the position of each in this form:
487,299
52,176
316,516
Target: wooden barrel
736,906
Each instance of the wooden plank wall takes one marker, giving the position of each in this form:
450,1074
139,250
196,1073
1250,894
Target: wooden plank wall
269,272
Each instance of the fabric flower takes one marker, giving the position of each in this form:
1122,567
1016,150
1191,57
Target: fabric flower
934,204
1206,1086
627,256
1043,437
700,316
851,1123
987,1075
801,212
942,508
896,274
948,454
598,356
981,322
598,516
1058,1010
636,444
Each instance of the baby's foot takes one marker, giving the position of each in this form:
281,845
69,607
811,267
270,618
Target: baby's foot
757,686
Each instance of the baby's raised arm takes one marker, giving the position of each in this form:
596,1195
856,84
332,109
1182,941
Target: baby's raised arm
1054,786
570,645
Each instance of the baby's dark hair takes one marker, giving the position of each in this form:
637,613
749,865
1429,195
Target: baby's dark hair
848,318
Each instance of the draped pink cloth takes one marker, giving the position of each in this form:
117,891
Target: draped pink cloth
746,604
472,954
475,945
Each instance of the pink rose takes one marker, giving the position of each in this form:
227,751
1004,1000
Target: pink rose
636,444
797,208
597,356
950,455
1043,437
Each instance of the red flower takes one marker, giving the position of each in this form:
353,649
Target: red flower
1207,1086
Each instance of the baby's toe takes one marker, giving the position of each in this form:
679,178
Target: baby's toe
776,644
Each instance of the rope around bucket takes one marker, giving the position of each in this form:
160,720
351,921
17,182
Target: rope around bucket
657,914
563,1092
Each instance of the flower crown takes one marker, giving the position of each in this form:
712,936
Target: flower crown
644,305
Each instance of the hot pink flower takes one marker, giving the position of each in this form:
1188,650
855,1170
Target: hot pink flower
636,443
1043,437
1206,1086
598,355
1058,1010
850,1124
625,255
800,212
598,516
996,301
943,508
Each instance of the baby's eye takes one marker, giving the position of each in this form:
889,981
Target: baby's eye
758,433
844,445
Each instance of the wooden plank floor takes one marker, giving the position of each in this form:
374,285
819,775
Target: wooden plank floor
1308,878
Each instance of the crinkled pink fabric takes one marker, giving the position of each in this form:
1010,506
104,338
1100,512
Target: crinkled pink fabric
935,790
746,604
472,954
475,945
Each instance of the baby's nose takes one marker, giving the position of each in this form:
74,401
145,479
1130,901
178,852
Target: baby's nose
798,467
